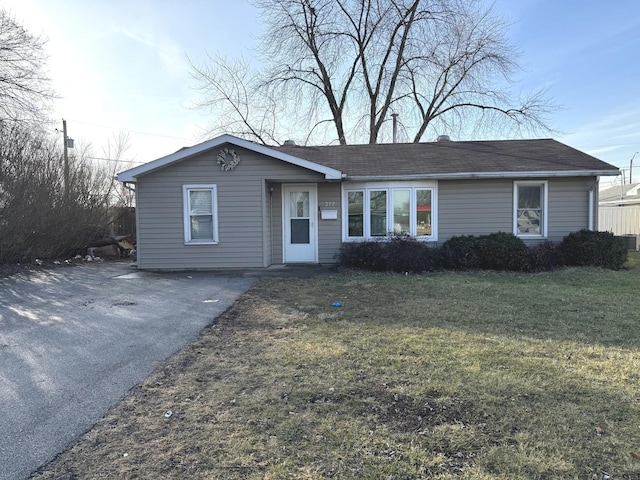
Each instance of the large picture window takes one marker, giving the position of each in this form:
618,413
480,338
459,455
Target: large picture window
423,212
378,212
200,214
530,209
355,205
401,208
401,212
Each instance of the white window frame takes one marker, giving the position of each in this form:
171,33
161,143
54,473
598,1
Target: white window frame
389,187
544,207
186,189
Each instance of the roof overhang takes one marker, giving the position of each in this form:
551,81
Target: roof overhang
483,175
131,175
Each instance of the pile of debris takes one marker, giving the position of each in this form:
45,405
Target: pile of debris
112,247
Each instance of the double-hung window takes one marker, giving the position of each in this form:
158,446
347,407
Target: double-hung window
377,210
530,207
200,205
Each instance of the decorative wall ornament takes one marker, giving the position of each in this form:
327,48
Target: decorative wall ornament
228,159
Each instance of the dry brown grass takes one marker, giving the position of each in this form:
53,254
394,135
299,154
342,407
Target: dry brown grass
478,375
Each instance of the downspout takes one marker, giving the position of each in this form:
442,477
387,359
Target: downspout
593,205
591,210
271,219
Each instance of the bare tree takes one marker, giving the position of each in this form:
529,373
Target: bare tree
113,161
37,216
230,92
24,86
351,63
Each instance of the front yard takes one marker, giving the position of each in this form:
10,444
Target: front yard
447,375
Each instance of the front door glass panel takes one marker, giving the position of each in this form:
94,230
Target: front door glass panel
299,217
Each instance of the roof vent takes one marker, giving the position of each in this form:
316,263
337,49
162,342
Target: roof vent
443,138
289,143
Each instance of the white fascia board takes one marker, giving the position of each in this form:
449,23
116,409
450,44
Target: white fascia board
481,175
132,174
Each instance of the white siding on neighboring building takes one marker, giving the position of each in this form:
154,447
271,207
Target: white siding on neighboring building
620,220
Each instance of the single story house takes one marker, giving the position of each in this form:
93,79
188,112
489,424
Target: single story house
619,209
229,202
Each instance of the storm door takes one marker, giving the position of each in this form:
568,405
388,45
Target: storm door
300,219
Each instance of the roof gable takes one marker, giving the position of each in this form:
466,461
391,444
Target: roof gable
184,153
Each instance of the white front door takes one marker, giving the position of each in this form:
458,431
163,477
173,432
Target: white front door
300,220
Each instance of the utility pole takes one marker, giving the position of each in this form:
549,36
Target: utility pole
66,162
631,168
67,143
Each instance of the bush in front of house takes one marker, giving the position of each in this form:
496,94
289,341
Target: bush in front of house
398,254
587,248
497,251
406,254
501,251
364,255
460,253
541,257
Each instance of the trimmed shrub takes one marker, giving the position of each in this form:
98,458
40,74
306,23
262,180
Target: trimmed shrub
399,254
497,251
501,251
406,254
595,249
460,253
364,255
541,258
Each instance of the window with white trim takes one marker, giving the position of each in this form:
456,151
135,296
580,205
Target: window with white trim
377,210
378,213
200,204
530,207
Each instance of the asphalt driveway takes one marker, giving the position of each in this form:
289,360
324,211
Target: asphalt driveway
74,341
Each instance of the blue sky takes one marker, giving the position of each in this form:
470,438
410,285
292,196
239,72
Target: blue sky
122,66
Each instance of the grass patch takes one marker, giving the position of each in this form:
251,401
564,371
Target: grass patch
448,375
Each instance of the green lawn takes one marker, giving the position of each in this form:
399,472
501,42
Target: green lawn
448,375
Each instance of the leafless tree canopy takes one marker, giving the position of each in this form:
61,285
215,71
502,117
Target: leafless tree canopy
46,210
37,217
348,64
24,86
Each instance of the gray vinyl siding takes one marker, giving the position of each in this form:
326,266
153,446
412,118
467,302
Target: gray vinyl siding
277,224
569,206
242,207
474,207
481,207
329,231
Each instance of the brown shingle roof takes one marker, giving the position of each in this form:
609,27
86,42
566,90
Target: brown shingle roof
452,158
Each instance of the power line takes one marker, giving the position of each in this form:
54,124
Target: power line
112,160
129,131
